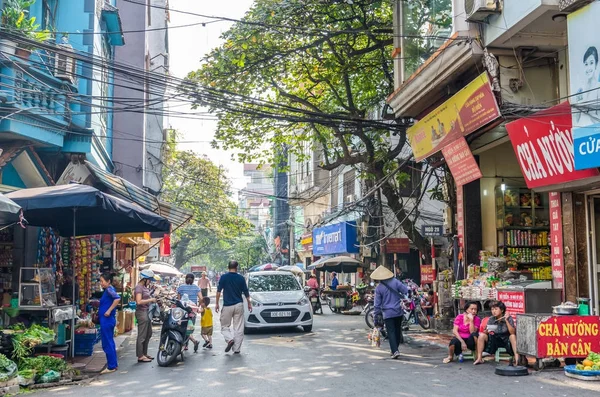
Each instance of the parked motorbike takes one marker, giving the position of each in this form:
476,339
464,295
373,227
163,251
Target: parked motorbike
413,313
315,301
175,332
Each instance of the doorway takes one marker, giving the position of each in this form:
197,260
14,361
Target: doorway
593,207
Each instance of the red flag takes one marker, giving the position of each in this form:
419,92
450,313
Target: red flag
165,245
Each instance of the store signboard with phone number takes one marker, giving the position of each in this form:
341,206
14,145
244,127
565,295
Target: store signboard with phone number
514,301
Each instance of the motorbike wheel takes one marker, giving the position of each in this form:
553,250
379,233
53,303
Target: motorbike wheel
423,320
369,318
329,303
405,324
169,353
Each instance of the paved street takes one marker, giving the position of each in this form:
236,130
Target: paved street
334,360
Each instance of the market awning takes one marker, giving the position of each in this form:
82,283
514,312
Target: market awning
119,186
10,212
86,209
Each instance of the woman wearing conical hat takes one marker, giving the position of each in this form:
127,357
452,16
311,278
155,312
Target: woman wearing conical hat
388,296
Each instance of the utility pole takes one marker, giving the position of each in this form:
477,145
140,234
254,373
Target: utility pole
381,230
292,252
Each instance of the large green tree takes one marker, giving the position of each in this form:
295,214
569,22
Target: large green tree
194,182
297,71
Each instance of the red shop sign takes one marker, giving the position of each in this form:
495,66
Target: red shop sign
461,162
514,301
568,336
427,274
397,246
460,213
556,241
543,144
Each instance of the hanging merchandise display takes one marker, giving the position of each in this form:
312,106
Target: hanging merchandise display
6,259
84,254
48,255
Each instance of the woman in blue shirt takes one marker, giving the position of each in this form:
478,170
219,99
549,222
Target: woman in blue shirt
388,305
107,315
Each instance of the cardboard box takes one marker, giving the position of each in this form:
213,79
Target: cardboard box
120,322
129,320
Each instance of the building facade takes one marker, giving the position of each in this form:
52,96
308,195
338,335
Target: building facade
56,102
509,103
142,133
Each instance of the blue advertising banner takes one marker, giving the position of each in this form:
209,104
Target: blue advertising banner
584,76
335,239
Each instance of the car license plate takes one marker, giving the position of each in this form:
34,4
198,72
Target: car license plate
281,314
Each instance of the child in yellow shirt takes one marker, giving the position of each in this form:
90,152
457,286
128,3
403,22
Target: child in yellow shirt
206,323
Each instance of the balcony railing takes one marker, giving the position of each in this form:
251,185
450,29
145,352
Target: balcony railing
28,86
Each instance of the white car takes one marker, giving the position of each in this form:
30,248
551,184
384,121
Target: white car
278,301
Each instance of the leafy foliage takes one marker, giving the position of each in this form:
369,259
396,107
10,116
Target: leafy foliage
298,71
195,183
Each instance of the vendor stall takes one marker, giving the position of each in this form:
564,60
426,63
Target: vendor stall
83,210
551,336
340,299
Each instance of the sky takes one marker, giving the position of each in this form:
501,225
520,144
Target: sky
186,47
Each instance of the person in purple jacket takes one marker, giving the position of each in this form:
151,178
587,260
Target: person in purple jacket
388,305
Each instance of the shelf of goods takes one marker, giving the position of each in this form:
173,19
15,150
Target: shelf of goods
523,233
6,260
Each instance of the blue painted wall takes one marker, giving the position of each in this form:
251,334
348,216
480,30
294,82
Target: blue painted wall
11,177
79,18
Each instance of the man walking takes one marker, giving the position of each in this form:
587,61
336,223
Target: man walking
204,284
232,316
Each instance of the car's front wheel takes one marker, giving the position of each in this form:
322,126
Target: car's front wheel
307,328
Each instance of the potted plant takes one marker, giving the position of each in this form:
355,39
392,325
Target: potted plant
16,20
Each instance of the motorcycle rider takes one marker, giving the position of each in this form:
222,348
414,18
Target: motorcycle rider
194,294
312,282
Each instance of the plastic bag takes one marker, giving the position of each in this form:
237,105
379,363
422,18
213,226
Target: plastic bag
375,337
49,377
8,369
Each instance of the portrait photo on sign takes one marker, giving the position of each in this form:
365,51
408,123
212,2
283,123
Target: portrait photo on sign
584,74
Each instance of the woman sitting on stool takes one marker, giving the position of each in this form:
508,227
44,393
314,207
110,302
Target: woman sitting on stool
500,332
466,327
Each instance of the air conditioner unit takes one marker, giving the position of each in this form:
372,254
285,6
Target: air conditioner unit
64,64
350,198
479,10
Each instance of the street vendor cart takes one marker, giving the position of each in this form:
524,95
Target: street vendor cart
340,299
549,336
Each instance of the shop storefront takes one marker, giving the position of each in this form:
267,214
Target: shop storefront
334,240
51,268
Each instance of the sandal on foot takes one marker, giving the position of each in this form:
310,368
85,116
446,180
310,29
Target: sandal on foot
144,360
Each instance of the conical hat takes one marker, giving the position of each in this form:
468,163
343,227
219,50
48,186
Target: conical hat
382,273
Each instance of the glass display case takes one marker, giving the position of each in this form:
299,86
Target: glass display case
36,287
523,229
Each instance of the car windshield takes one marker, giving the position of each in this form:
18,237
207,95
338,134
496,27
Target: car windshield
271,283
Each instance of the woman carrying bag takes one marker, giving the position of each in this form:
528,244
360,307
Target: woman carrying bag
388,304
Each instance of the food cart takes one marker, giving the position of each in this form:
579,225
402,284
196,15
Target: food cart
550,336
340,299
